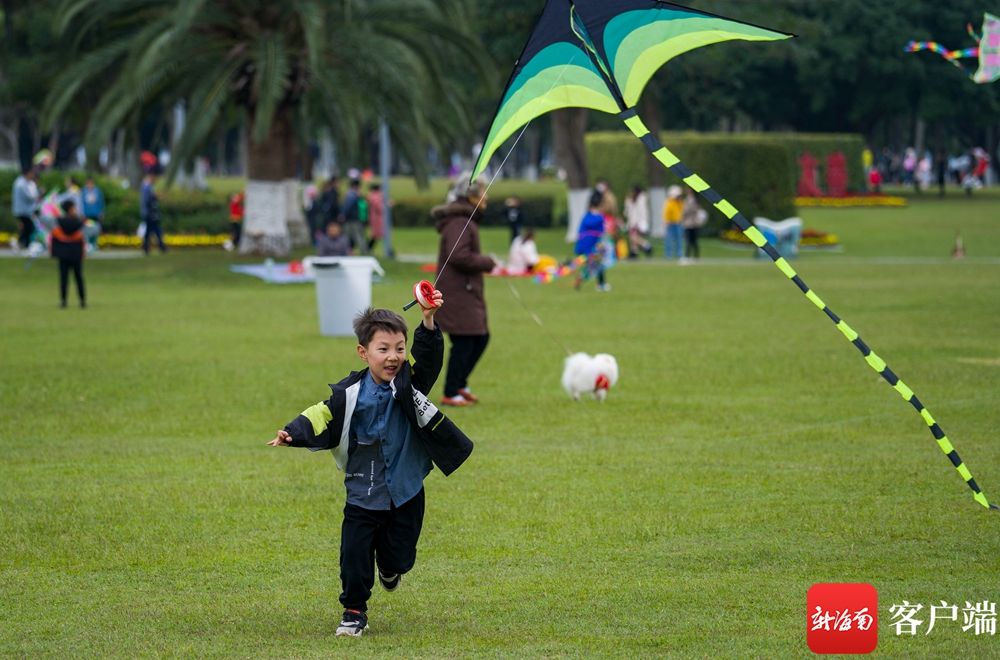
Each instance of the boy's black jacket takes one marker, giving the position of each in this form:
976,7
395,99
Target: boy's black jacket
327,424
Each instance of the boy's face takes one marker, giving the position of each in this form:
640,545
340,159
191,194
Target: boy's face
333,230
385,355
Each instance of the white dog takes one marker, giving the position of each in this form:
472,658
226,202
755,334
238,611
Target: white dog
583,373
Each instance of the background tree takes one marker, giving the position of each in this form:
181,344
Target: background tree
291,68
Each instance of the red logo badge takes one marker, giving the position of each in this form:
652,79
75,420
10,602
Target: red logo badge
842,618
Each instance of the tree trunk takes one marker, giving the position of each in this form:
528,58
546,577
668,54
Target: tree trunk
295,218
327,157
655,173
273,221
53,144
116,153
919,131
265,230
132,169
242,155
568,128
533,147
185,178
9,154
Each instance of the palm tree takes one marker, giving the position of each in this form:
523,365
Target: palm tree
292,67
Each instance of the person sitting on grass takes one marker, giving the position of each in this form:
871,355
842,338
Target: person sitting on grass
523,255
385,433
333,243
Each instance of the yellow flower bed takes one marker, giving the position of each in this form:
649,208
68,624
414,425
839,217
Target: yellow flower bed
172,240
809,238
845,202
132,241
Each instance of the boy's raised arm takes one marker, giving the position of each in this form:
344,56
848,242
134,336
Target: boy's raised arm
428,348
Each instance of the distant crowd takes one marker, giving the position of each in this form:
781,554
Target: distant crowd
353,225
969,169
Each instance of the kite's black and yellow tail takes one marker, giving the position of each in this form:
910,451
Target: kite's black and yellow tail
671,162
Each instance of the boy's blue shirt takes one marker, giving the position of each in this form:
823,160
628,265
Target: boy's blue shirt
387,466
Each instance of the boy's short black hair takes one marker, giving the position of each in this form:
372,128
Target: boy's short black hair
67,205
370,321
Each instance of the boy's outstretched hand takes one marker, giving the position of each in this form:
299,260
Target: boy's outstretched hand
438,299
283,439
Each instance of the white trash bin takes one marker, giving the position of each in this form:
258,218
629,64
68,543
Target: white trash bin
343,288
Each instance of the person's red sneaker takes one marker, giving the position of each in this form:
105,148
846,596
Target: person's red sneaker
456,401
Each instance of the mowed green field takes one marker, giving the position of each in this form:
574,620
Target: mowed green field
747,452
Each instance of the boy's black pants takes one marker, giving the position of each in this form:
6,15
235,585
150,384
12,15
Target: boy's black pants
386,537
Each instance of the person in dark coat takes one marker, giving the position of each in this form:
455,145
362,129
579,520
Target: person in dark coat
329,204
149,212
67,247
460,277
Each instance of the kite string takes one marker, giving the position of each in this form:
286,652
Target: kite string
517,296
479,203
495,175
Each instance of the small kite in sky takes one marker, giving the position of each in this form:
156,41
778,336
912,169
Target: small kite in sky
988,50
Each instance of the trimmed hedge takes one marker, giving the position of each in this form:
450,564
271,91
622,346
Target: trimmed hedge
183,211
753,174
821,145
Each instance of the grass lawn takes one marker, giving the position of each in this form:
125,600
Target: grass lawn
747,453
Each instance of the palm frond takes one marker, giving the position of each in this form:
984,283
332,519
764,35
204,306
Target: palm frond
208,102
67,85
270,81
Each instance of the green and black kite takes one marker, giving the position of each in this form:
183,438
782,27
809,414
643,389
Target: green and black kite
599,54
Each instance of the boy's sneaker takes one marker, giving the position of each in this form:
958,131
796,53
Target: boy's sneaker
389,581
467,394
352,624
604,288
457,401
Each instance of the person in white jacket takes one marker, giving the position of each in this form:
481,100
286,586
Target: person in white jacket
637,217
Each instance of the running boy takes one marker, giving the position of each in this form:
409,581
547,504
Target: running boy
384,433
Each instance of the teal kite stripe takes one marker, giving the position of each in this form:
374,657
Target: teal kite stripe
635,124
